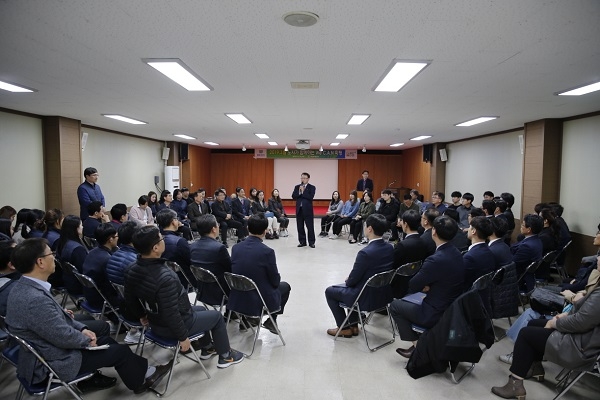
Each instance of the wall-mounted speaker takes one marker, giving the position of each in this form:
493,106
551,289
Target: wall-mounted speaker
443,155
427,152
183,151
165,154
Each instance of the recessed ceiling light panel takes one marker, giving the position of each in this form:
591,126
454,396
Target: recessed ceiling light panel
186,137
396,144
239,118
125,119
211,143
358,119
398,74
272,143
15,88
420,138
334,144
262,135
177,71
476,121
581,90
342,136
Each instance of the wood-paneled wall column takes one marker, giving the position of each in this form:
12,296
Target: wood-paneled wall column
438,173
62,163
541,164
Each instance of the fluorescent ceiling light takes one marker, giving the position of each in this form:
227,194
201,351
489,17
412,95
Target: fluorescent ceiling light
239,118
14,88
476,121
211,143
581,90
334,144
342,136
396,144
358,119
262,135
125,119
272,143
420,138
176,70
398,74
185,137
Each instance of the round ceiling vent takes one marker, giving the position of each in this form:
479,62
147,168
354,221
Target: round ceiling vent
300,19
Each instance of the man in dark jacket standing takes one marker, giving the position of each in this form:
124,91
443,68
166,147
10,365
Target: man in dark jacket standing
153,282
304,194
89,191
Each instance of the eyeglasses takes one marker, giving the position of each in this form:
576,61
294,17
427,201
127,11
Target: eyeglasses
53,253
161,239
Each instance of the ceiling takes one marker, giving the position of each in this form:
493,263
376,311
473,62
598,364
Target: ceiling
502,58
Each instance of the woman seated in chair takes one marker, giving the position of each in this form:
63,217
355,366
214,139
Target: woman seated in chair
332,213
70,249
276,207
260,206
349,210
366,208
571,340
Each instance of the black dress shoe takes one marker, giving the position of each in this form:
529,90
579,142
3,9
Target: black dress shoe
302,245
312,246
152,380
406,353
96,382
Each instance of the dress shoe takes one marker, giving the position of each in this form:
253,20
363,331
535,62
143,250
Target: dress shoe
406,353
152,380
312,246
513,389
354,330
268,325
302,245
96,382
347,333
536,371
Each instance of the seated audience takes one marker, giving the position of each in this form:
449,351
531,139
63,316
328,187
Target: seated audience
487,195
348,212
488,207
21,227
414,195
510,201
427,220
70,249
124,256
95,217
276,207
151,281
179,205
366,208
118,213
222,211
441,278
94,266
166,198
261,206
8,212
333,212
460,240
199,206
177,248
464,209
241,207
53,221
529,249
376,257
456,197
254,259
500,250
437,202
142,213
479,260
152,202
388,207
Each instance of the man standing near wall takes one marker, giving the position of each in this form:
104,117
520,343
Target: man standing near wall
304,194
89,191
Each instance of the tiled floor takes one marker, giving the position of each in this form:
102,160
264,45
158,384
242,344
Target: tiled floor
312,365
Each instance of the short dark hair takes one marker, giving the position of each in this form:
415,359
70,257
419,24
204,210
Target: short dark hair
94,207
163,194
535,222
143,199
118,211
508,198
104,232
415,192
476,212
441,195
52,217
7,212
501,204
412,219
205,223
6,249
431,214
164,217
145,238
489,206
557,208
258,224
539,207
445,227
468,196
89,171
488,193
218,192
386,191
456,194
25,255
500,226
184,190
407,197
452,214
365,170
305,173
126,231
483,227
379,224
238,189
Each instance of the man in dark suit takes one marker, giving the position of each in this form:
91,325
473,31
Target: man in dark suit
222,211
177,248
365,184
254,259
197,207
34,315
240,207
427,223
499,248
304,194
479,260
441,278
212,255
377,256
411,249
529,249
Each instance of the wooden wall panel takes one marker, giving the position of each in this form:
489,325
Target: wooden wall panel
416,174
195,172
383,169
232,170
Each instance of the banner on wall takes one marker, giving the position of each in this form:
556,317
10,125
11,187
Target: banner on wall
294,153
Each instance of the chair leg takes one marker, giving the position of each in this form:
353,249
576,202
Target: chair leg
567,387
364,324
348,313
276,328
160,394
460,378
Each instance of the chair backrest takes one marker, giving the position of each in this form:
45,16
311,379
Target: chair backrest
498,277
550,256
119,288
374,285
243,284
90,242
531,268
89,283
177,268
409,269
69,268
483,282
381,279
205,276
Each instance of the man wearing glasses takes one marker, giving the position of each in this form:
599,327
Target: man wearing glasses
89,191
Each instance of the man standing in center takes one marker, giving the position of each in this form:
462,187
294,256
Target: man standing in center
304,194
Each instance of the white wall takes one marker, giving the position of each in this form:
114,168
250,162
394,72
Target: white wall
323,175
127,165
490,163
579,188
22,161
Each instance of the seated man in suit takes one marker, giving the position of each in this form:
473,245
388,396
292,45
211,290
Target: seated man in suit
479,260
437,201
500,250
240,207
441,278
176,247
197,207
411,249
460,240
464,209
529,249
254,259
151,281
222,211
406,204
376,257
95,217
427,219
34,315
210,254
